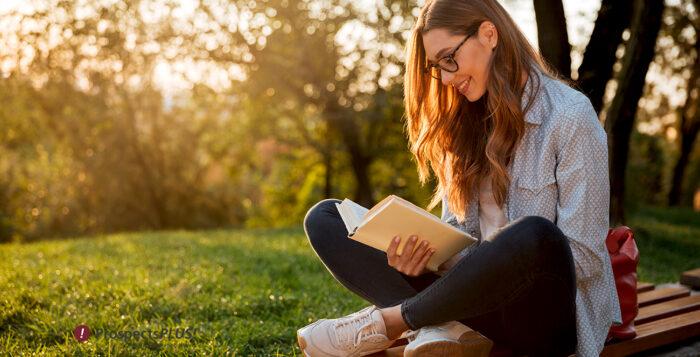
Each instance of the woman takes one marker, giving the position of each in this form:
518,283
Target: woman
521,161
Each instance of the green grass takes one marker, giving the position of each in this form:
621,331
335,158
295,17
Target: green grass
668,240
244,291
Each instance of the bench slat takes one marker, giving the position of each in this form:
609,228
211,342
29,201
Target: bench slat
644,287
665,309
658,333
691,278
661,295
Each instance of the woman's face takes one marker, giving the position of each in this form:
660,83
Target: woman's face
472,57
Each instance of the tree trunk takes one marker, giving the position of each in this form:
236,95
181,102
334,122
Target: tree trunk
599,57
363,190
349,131
328,175
552,35
639,53
688,137
690,125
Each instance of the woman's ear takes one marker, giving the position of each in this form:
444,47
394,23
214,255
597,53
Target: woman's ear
488,35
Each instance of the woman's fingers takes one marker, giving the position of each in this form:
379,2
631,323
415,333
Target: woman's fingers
420,266
413,258
412,263
407,252
418,253
391,255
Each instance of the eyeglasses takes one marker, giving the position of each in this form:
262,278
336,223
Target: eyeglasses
446,63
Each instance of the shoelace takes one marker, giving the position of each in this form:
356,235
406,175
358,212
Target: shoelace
350,331
411,335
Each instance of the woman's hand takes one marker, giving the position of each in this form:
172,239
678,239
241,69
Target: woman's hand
413,259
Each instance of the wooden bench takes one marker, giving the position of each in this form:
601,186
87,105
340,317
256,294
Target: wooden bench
666,316
691,278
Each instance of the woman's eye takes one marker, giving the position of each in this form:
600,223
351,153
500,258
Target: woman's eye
448,64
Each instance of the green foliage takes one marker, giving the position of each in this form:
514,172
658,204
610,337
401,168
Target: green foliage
645,171
93,140
291,188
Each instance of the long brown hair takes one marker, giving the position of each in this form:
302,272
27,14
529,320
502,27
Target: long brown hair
463,142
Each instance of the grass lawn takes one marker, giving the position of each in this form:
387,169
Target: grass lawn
240,292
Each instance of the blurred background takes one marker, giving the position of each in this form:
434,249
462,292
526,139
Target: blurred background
126,115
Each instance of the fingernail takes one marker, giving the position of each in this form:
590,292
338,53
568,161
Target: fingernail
396,239
413,238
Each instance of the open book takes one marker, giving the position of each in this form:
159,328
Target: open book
395,216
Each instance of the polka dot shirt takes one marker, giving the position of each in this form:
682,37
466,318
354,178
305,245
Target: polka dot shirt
560,172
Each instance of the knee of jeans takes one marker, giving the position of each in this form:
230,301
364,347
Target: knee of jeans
541,232
318,213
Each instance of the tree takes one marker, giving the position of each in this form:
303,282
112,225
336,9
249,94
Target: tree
131,159
596,69
689,46
553,36
639,52
327,92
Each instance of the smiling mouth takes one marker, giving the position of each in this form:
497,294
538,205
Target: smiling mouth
464,86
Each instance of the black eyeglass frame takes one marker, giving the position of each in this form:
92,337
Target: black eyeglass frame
450,56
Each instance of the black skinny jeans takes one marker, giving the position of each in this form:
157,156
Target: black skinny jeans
517,289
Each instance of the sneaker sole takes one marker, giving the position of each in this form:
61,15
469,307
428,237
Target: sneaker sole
443,348
438,349
302,345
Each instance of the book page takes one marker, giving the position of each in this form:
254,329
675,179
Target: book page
358,210
347,216
351,213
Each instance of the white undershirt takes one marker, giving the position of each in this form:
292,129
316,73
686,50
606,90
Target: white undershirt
491,217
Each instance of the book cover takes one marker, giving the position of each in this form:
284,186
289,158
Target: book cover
395,216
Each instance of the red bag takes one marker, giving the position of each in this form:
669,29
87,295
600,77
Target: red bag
624,256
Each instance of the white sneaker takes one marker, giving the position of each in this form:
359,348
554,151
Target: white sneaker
448,339
358,334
